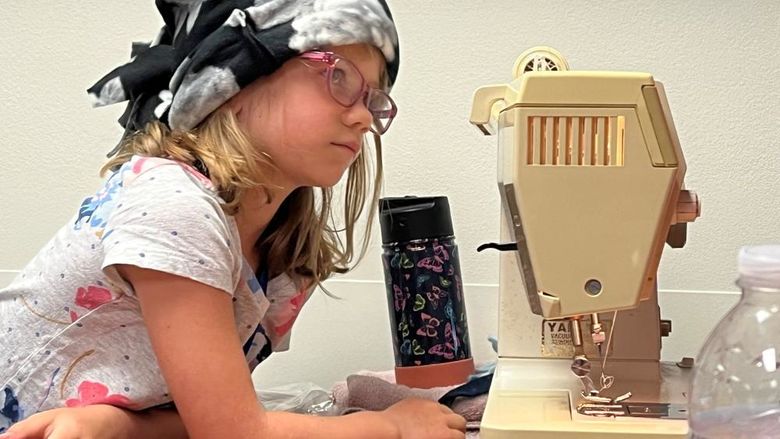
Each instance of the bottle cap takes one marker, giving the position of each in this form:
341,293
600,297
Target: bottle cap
759,266
410,218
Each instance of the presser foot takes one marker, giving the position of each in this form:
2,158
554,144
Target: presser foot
581,368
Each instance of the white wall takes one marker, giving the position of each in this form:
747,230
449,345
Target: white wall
718,61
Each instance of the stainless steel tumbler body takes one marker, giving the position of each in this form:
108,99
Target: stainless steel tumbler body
425,292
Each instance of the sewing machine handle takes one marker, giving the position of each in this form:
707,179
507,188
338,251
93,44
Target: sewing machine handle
485,98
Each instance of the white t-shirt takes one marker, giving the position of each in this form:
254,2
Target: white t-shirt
71,330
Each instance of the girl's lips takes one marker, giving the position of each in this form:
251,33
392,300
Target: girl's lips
352,146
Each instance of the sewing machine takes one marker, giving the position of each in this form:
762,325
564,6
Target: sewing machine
590,173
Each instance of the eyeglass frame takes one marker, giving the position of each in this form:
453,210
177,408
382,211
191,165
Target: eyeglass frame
330,59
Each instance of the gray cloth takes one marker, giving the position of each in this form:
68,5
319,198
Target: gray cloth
373,393
366,392
208,50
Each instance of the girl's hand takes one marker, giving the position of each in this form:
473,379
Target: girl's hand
90,422
424,419
99,422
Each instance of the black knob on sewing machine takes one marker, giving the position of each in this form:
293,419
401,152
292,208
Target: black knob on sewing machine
666,328
509,246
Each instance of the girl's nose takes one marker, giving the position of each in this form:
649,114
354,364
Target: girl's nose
358,116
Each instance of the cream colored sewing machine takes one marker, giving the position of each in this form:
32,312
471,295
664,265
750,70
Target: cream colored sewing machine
591,181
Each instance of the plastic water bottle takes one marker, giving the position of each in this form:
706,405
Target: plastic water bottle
736,386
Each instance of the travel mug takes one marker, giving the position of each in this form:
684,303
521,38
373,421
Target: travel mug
424,292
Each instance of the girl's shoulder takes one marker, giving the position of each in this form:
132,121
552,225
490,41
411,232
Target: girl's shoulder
140,168
150,185
165,191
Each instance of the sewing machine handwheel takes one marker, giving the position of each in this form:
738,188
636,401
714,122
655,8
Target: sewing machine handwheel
539,58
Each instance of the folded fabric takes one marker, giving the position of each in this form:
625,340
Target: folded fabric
473,387
369,390
341,392
374,393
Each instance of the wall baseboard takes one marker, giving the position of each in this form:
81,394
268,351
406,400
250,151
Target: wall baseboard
6,276
353,333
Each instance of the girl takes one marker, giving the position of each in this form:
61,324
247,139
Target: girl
190,265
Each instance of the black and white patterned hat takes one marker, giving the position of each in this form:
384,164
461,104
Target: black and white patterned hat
208,50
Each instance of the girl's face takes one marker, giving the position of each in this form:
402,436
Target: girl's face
291,116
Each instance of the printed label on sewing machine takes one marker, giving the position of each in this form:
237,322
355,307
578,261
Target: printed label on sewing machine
556,339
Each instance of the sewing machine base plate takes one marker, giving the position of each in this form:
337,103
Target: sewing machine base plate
538,399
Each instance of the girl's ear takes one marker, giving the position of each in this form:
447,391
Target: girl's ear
245,100
235,105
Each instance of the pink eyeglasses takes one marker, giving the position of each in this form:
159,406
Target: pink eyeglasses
346,85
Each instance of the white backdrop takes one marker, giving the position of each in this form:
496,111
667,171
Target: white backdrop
718,61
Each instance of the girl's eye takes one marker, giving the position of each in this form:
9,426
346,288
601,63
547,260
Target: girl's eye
339,75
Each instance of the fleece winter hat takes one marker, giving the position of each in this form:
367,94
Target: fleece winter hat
208,50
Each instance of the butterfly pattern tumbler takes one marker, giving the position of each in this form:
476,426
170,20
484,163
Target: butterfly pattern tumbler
425,292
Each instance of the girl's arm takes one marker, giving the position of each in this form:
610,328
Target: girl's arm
193,333
413,419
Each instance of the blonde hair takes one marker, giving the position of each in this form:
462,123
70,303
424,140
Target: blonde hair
301,240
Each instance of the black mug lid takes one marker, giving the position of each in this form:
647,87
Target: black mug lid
411,217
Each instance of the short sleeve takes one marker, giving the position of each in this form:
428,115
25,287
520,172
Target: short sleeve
164,220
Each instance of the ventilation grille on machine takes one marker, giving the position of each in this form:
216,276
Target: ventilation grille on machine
576,141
